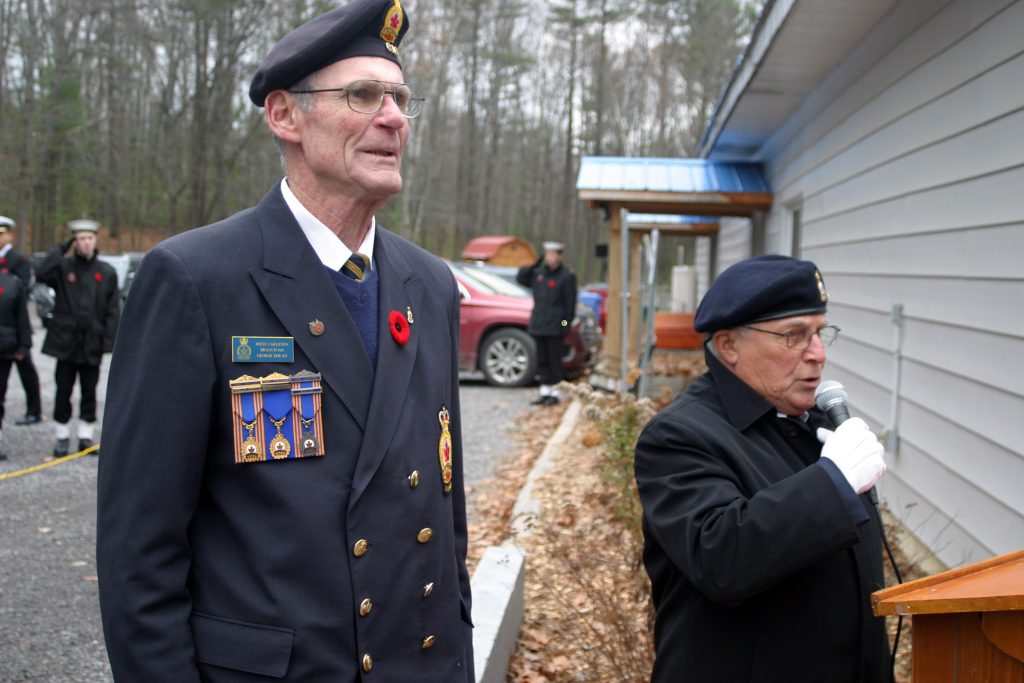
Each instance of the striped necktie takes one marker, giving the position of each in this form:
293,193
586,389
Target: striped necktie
356,266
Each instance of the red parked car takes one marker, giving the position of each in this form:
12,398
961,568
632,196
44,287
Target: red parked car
493,338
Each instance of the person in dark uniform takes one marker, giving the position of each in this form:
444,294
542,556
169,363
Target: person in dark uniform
15,334
281,493
762,545
12,261
554,307
85,317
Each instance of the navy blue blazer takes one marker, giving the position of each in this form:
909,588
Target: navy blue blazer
301,569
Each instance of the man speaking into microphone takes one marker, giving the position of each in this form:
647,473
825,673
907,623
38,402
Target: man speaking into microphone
760,540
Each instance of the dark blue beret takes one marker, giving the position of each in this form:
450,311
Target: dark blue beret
761,288
372,28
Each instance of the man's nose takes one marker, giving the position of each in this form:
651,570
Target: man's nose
815,351
389,112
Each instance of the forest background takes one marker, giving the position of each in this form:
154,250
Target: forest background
135,112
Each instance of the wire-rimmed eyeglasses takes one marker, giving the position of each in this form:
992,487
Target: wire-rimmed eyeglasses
801,339
366,97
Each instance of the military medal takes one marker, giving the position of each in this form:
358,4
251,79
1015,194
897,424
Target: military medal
279,446
251,451
246,414
308,441
277,406
307,421
444,451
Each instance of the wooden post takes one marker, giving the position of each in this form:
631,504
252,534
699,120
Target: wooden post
613,324
636,240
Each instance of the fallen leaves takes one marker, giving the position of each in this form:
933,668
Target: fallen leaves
587,606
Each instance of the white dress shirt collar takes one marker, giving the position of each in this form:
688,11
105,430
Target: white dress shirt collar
328,247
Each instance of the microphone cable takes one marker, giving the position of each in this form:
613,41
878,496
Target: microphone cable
830,397
873,497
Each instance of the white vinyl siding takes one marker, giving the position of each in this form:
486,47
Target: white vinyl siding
909,161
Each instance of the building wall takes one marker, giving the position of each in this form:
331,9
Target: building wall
907,165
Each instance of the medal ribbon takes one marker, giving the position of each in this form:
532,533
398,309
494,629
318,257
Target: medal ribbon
306,403
277,404
247,407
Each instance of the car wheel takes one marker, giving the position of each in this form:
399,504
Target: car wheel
508,358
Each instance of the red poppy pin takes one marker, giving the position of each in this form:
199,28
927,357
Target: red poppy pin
399,327
551,284
99,277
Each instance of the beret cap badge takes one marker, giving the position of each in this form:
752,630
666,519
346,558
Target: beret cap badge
392,27
821,286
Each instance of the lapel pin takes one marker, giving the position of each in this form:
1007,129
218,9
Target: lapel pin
316,328
408,314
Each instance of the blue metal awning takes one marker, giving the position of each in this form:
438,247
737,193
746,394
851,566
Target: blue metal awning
669,219
681,186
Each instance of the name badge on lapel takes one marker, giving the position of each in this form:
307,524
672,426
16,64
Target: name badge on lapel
246,349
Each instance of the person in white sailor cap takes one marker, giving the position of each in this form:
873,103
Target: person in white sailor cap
85,317
554,307
280,492
14,262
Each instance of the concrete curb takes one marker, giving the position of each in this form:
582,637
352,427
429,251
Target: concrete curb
527,507
498,582
498,588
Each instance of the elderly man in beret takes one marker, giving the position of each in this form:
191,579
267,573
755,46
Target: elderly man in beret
281,493
762,544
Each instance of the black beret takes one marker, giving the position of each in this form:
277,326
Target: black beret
761,288
372,28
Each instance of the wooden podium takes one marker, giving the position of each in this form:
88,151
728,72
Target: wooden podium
968,622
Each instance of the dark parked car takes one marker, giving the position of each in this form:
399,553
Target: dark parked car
493,339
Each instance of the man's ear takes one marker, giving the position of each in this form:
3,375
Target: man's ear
281,111
726,343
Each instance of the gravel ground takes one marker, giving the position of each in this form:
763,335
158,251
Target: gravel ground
49,617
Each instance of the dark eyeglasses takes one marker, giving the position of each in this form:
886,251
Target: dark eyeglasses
366,97
802,339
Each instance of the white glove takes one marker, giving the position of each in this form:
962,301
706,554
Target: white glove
856,451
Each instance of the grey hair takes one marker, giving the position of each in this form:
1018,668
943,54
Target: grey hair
709,342
306,102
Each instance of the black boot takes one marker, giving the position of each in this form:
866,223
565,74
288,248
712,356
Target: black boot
87,443
28,420
61,449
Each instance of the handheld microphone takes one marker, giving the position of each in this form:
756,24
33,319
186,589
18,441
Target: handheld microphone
831,397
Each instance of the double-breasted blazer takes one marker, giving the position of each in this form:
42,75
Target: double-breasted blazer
310,569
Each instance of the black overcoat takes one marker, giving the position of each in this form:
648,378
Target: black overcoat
86,308
215,571
554,298
15,329
758,570
14,263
